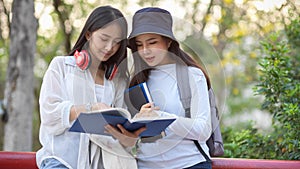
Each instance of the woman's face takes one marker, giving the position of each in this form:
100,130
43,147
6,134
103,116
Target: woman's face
104,42
153,49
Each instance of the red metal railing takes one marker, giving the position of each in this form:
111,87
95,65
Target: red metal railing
236,163
17,160
26,160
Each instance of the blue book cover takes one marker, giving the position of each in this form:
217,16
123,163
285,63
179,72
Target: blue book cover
137,96
94,122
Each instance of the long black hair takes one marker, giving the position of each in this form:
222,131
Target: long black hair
142,70
99,18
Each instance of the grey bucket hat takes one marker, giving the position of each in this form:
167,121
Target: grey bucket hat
152,20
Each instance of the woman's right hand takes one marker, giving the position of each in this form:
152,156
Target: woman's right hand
86,108
99,106
147,110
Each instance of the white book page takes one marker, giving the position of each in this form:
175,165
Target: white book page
156,115
114,111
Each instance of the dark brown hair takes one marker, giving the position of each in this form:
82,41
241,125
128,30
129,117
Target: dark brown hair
99,18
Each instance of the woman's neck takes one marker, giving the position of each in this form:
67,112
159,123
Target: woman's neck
167,60
97,74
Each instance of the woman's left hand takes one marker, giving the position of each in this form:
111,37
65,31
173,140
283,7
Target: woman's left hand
126,138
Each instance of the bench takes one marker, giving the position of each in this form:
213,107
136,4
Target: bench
15,160
26,160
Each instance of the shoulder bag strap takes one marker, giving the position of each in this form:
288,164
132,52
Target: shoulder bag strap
182,76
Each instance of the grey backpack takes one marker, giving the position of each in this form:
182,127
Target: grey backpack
215,142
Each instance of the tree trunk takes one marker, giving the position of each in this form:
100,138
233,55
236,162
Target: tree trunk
19,89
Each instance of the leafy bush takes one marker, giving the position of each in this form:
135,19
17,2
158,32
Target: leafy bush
248,143
279,83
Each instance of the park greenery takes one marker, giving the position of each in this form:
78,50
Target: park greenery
279,83
258,53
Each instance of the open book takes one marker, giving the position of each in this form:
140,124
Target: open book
94,122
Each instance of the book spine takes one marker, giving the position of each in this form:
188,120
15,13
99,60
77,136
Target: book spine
146,92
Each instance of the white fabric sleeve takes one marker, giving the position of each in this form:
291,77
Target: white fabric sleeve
198,127
54,107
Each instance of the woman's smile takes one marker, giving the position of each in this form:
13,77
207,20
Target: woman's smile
150,59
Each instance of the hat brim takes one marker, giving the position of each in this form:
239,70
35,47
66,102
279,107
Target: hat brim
143,29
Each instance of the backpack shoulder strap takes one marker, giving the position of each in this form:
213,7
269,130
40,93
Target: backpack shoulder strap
182,76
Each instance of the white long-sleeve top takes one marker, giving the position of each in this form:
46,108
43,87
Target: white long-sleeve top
64,85
177,149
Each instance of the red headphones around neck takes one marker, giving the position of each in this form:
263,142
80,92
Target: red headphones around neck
83,61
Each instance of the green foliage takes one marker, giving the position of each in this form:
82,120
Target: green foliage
244,144
281,88
279,83
240,103
249,143
293,32
3,68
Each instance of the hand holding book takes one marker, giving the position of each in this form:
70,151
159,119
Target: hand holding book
138,98
147,110
96,121
126,138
